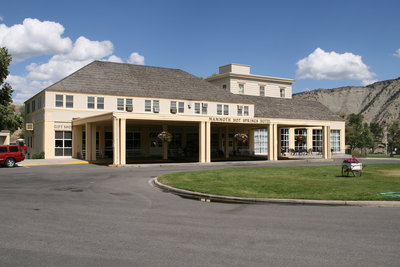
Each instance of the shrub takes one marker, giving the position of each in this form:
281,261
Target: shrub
39,155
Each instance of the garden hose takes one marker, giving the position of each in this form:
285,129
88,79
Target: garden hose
389,194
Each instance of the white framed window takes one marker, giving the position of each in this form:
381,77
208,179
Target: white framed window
69,101
90,102
181,108
147,105
172,107
219,109
197,108
129,104
335,140
300,146
260,141
245,110
241,88
240,110
27,108
156,106
226,109
59,101
100,103
282,91
284,140
39,102
317,140
63,143
262,90
120,104
204,108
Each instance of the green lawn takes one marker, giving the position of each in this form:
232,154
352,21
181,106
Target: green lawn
312,182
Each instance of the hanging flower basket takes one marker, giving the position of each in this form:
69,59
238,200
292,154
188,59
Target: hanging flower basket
165,136
301,139
241,137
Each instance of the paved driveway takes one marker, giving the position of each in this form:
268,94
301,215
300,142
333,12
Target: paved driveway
88,215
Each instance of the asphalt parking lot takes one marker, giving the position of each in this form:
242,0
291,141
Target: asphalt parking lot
90,215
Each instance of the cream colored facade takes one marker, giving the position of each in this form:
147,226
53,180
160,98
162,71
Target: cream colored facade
104,129
232,76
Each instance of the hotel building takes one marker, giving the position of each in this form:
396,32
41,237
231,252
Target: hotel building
116,111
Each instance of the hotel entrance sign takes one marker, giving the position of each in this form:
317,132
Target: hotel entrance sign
238,120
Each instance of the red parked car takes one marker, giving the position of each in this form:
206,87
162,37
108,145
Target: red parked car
10,154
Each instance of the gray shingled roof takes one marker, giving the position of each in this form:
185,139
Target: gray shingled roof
273,107
122,79
110,78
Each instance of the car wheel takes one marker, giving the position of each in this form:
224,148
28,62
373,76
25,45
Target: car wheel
10,162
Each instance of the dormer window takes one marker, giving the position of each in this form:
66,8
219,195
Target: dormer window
262,90
282,92
241,88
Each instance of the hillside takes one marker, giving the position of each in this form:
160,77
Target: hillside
376,102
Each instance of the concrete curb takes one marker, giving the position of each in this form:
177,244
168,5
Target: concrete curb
48,164
218,198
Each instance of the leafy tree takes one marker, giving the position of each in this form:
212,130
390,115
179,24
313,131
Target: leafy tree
377,133
354,128
367,138
9,120
394,136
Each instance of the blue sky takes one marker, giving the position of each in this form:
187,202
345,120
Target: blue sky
321,44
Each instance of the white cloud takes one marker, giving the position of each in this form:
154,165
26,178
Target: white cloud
34,38
136,58
397,53
25,88
333,66
114,58
82,53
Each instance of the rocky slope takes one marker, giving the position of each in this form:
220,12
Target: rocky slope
377,102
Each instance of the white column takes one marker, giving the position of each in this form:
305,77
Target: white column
251,142
291,138
270,142
208,141
122,142
275,141
309,138
116,136
88,142
327,144
202,141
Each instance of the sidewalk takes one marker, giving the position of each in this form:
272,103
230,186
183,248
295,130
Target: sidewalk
43,162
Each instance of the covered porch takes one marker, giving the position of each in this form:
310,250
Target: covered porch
121,138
